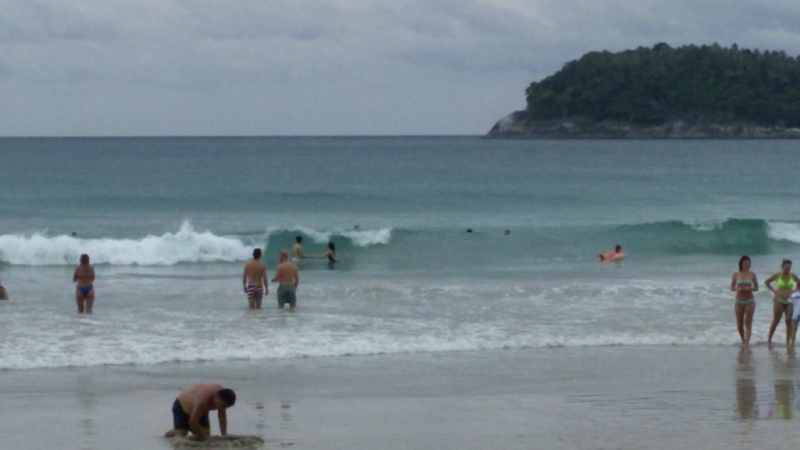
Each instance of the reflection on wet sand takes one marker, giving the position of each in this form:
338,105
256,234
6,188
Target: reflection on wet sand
86,401
746,386
261,421
783,375
286,419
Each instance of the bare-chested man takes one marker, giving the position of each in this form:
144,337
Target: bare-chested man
190,410
297,249
289,277
84,289
254,280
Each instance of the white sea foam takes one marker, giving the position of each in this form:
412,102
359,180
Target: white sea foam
280,346
359,238
705,225
360,317
186,245
784,231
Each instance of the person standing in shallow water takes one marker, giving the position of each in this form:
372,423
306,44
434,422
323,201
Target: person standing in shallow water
288,276
84,288
785,284
744,283
330,253
254,280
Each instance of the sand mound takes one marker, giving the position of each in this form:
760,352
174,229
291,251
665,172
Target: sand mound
229,441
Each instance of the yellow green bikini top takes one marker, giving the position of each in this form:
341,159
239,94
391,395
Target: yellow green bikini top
781,284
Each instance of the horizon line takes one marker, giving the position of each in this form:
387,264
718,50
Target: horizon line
243,136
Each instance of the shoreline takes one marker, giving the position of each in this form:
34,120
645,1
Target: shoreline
700,397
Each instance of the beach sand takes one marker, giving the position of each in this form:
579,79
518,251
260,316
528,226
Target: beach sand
558,398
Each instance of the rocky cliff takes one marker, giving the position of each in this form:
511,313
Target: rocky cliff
517,125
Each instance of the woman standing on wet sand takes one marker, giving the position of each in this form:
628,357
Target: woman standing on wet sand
786,284
744,283
84,290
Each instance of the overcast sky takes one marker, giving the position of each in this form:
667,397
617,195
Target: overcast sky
313,67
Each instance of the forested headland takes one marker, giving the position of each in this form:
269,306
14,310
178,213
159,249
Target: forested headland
662,92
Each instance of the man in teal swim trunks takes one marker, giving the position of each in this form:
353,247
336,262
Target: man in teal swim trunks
288,276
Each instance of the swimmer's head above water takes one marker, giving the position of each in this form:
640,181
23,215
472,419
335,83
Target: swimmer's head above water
298,239
257,253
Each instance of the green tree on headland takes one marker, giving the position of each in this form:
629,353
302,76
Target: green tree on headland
649,86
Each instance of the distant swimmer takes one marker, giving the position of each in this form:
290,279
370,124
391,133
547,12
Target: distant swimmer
330,253
191,408
356,227
507,232
616,255
469,230
84,289
297,249
786,283
3,292
74,234
744,283
288,276
254,280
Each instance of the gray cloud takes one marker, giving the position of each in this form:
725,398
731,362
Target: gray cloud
182,67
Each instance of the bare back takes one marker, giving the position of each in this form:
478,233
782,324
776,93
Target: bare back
255,272
287,273
199,396
84,275
297,251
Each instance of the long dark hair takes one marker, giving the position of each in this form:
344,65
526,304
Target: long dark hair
742,260
332,247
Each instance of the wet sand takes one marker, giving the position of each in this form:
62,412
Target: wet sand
560,398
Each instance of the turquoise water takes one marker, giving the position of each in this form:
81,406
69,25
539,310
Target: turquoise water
169,221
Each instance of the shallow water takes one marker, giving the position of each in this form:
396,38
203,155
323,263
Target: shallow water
169,222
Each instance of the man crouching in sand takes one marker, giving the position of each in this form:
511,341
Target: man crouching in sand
190,410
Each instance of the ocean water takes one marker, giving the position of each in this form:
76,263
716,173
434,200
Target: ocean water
168,223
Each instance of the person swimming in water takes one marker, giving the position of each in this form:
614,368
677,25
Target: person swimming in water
744,283
330,253
84,289
615,255
786,284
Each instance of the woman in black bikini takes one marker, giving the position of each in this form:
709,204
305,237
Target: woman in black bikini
331,253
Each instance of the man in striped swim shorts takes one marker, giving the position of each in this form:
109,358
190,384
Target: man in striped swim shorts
254,280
